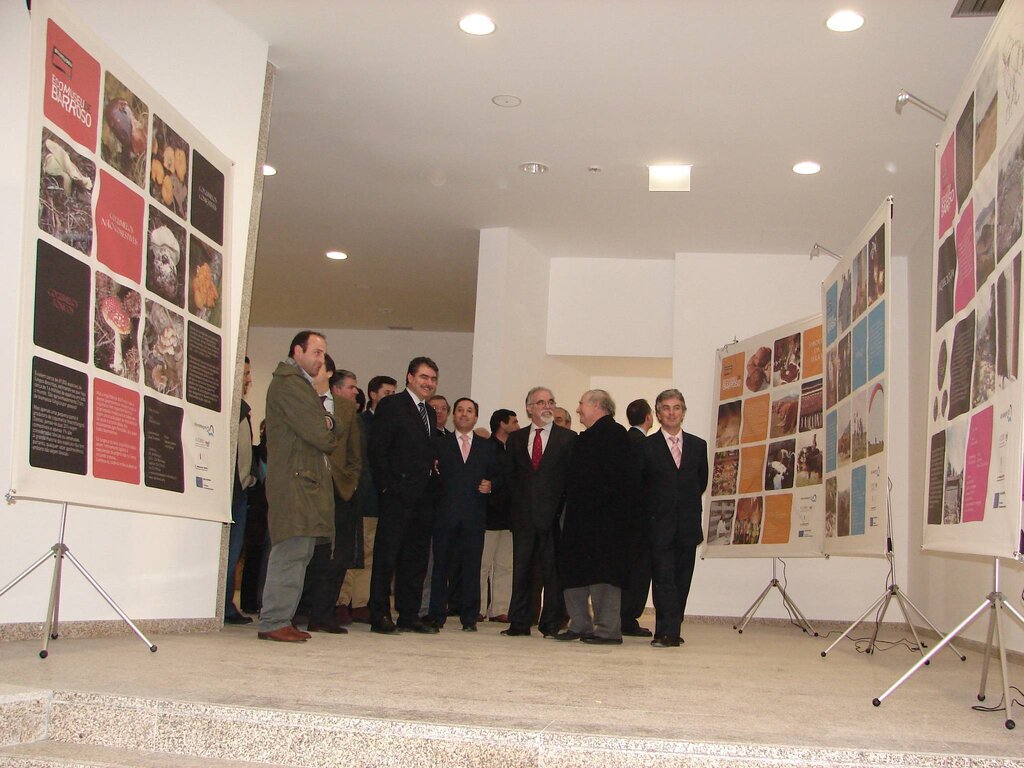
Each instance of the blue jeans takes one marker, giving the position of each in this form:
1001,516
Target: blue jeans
236,537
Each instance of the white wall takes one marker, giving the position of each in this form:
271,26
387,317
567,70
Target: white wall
610,307
154,567
366,354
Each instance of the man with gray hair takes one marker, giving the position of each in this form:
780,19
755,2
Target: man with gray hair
592,555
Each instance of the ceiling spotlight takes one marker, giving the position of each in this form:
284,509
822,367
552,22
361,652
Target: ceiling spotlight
533,168
337,255
904,97
269,170
819,249
806,168
668,178
506,101
845,21
476,24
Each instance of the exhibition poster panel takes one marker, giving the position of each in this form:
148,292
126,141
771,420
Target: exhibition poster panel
973,476
120,377
855,299
765,497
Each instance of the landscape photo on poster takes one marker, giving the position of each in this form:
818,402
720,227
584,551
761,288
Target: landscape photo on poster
854,439
767,457
112,385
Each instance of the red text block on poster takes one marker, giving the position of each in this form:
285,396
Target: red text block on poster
976,466
119,227
71,92
947,186
115,441
965,289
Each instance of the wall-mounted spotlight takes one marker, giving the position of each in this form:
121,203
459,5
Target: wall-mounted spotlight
904,97
819,249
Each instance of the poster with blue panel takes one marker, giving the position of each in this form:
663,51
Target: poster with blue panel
122,361
854,298
973,478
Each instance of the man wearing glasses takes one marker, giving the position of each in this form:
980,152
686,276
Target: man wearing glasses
537,458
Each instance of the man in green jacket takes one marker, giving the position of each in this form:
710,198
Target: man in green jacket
300,492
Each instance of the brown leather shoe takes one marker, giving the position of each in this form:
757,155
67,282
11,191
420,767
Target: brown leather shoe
361,615
343,614
286,634
503,619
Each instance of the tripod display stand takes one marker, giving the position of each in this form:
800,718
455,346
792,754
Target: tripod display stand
59,551
997,604
801,621
892,592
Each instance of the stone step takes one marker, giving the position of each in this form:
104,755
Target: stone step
56,754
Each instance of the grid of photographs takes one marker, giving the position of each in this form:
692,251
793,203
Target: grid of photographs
855,389
766,473
127,276
973,492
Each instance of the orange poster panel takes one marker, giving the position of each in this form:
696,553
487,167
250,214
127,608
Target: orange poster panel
752,469
731,384
812,352
778,514
755,418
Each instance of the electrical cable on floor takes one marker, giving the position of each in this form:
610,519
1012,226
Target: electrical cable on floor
999,707
785,583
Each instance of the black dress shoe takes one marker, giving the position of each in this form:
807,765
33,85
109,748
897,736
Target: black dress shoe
469,627
637,631
666,641
238,619
419,627
515,631
595,640
566,636
383,626
331,627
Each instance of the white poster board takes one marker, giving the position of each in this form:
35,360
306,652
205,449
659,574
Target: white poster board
121,398
973,482
765,495
855,298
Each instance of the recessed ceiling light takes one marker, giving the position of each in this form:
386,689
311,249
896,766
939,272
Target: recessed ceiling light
269,170
668,178
476,24
845,21
507,101
806,168
337,255
533,168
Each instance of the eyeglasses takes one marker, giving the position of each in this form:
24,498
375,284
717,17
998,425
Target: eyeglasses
544,403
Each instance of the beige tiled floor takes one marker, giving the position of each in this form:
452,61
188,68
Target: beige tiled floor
767,686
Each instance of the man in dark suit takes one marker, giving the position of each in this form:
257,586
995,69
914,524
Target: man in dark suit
673,477
467,467
403,458
592,551
496,563
638,544
536,460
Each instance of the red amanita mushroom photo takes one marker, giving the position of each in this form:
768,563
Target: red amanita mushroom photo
120,323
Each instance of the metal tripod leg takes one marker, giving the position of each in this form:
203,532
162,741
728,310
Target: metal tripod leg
906,617
50,626
753,608
801,619
21,576
904,599
861,618
885,609
999,604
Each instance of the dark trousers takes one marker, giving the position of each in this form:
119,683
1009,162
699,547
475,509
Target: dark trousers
321,587
457,556
401,549
236,537
530,545
638,579
673,571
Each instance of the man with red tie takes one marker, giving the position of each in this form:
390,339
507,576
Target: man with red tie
673,476
537,460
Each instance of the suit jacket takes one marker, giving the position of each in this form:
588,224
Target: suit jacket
366,491
460,503
536,497
498,518
346,460
402,453
593,540
671,496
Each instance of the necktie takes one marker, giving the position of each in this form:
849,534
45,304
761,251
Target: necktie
465,447
677,451
423,415
538,449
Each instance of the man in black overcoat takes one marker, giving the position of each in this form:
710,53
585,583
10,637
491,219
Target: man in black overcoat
592,552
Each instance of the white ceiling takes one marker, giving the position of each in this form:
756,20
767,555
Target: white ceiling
389,147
